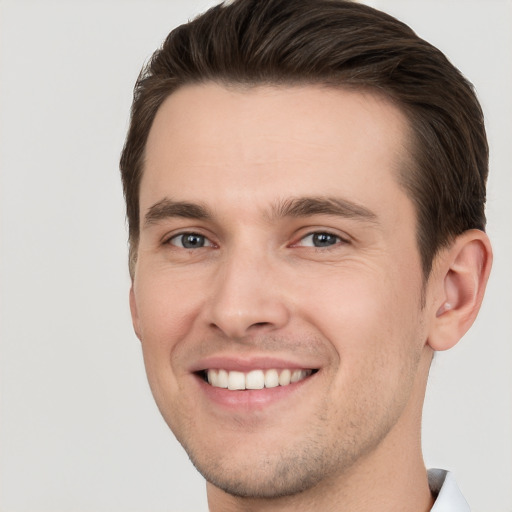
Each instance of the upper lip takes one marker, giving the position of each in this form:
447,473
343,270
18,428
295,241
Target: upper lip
246,364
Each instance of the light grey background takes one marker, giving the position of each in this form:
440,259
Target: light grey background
78,427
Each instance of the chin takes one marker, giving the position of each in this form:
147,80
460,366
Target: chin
265,479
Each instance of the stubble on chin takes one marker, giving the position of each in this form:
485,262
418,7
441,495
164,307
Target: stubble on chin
289,471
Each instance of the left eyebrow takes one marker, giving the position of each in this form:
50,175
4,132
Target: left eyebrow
308,206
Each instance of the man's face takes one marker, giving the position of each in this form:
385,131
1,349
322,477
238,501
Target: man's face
277,249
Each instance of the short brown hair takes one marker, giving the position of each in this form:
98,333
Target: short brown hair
337,43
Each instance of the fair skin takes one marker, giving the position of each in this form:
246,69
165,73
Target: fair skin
265,246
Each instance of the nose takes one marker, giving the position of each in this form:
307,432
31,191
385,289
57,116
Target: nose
247,298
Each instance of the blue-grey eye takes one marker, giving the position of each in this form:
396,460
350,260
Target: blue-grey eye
190,241
324,239
319,239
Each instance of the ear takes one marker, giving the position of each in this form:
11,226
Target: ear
135,314
461,274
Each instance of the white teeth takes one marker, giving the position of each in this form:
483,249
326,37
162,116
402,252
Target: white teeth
222,379
236,380
296,375
271,379
284,378
212,377
255,379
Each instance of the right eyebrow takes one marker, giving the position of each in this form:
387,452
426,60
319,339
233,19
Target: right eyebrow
166,208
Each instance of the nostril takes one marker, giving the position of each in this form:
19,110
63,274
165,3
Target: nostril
238,319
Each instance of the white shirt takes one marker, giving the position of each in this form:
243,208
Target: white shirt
449,498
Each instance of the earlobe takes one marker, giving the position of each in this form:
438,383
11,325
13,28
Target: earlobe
463,271
134,313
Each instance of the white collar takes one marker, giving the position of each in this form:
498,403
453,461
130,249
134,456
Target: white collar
449,498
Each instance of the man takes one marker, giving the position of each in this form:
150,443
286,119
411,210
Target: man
305,187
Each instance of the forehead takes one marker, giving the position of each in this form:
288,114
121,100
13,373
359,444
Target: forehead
211,142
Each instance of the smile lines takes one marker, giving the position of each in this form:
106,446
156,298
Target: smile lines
255,379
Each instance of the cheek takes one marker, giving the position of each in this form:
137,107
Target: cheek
166,311
366,316
374,330
166,307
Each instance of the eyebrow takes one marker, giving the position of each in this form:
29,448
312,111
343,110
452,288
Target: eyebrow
308,206
292,207
166,208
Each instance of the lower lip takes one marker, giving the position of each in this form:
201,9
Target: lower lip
251,399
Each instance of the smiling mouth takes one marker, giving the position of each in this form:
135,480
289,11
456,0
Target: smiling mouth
254,379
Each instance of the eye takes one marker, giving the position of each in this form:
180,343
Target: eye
320,239
190,241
